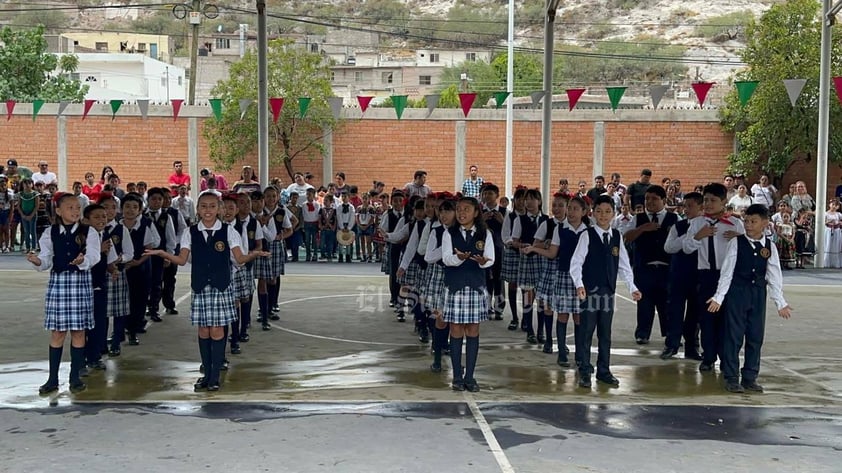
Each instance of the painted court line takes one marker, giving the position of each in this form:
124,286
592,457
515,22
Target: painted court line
490,439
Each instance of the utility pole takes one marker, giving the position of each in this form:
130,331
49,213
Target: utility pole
195,20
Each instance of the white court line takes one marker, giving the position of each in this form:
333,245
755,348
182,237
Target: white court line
490,439
802,376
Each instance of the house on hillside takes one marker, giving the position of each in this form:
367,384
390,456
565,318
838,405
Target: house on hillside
152,46
130,77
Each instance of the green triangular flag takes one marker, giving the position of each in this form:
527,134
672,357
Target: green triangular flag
303,105
500,97
399,101
614,95
745,89
36,107
115,105
216,106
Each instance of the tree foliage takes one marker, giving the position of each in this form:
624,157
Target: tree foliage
293,73
623,61
28,72
783,44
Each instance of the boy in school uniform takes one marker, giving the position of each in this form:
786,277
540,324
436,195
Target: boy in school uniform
494,215
751,264
144,236
166,229
651,262
96,217
345,221
69,250
392,223
600,256
310,211
170,271
118,287
682,305
708,236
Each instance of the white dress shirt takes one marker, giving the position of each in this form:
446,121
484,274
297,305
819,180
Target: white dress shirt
310,217
169,230
624,269
92,249
414,246
433,253
151,239
517,230
508,224
346,220
449,257
125,241
720,244
774,278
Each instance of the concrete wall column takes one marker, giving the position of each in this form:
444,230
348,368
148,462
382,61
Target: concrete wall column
61,154
598,149
327,158
459,171
193,157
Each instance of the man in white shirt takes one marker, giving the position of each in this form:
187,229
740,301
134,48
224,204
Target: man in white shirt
44,175
300,187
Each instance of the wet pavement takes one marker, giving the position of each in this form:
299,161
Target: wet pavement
338,385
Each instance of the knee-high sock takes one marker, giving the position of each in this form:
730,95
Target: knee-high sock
548,327
235,332
77,361
55,362
217,354
456,357
275,292
439,341
205,353
561,335
527,317
263,305
512,292
471,353
245,313
577,340
540,319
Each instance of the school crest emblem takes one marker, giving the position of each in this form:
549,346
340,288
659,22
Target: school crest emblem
765,253
80,239
115,239
279,218
219,246
615,251
251,235
162,224
480,244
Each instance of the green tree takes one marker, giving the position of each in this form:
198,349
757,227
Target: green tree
29,72
482,79
293,73
623,61
783,44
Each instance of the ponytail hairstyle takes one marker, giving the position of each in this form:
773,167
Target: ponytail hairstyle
585,207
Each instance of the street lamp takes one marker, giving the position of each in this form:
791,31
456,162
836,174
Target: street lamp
547,108
195,11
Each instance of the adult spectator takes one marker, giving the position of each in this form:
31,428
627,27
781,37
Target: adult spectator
730,190
763,192
564,188
677,184
178,178
583,192
89,187
418,186
636,193
248,181
12,176
299,186
619,187
598,188
742,200
221,183
44,175
114,184
788,197
377,187
341,186
471,186
802,200
308,178
611,191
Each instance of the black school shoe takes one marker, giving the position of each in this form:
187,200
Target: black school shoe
236,350
435,367
693,355
668,353
77,387
705,367
114,352
513,325
274,316
47,388
133,340
264,325
458,385
498,316
155,318
201,384
541,338
585,381
531,340
244,337
732,386
608,379
97,365
548,349
172,311
752,386
562,359
472,386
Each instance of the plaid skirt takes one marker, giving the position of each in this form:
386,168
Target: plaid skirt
212,307
279,257
69,303
118,296
508,272
242,283
546,278
564,299
434,291
413,276
384,263
466,306
262,268
528,271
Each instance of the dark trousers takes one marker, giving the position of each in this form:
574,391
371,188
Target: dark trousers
310,231
168,290
118,332
156,279
745,319
597,315
138,279
494,284
394,265
293,242
95,343
683,315
651,280
712,324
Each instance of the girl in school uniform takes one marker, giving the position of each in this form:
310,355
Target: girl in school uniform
283,223
263,266
366,218
511,256
562,294
833,236
253,241
69,250
394,229
467,251
215,245
547,268
411,269
445,216
528,271
118,286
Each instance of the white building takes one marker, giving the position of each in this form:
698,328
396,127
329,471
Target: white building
130,77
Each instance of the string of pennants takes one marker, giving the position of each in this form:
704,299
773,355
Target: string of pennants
745,90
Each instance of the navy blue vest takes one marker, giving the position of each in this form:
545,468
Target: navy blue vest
528,229
682,265
116,236
750,267
649,246
211,259
599,272
496,228
161,225
174,216
67,246
419,258
99,272
468,273
138,236
567,241
439,233
251,232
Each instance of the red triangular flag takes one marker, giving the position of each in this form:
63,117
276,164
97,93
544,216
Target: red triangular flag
176,108
276,104
10,107
364,100
466,99
837,82
88,104
701,89
573,96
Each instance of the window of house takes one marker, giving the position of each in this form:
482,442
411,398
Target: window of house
179,80
314,47
358,76
386,77
472,57
434,57
425,80
332,76
101,47
141,47
223,43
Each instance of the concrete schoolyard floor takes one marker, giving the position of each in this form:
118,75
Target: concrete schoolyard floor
339,385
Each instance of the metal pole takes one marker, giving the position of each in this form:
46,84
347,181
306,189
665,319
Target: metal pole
510,112
824,120
547,106
194,56
262,96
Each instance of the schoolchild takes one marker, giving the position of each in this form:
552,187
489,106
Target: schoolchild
26,207
651,262
240,281
709,235
751,264
144,235
166,229
284,222
310,212
345,221
511,255
296,238
523,234
366,218
547,268
600,256
495,217
69,249
682,305
96,217
118,286
214,245
327,228
7,212
170,271
561,295
253,241
392,223
467,251
445,216
412,267
263,266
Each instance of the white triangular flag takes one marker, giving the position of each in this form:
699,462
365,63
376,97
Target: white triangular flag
794,88
657,93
